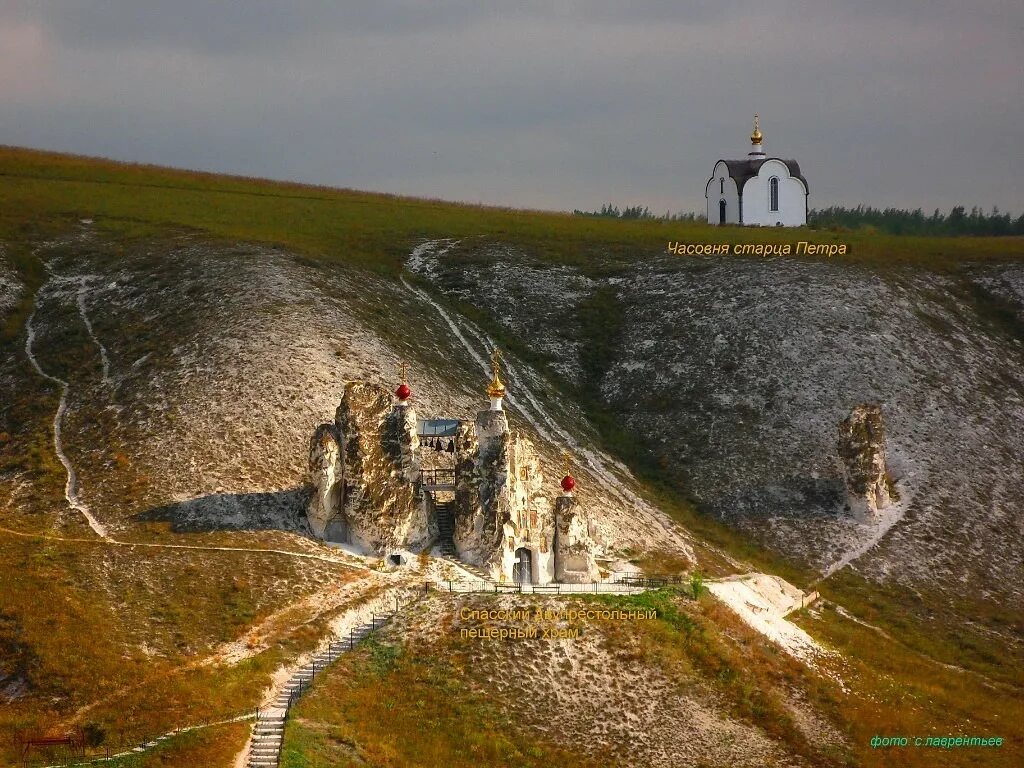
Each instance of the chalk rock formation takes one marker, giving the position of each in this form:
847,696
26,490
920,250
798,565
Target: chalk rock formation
367,490
490,476
504,519
498,496
574,561
362,471
475,536
325,474
869,487
524,512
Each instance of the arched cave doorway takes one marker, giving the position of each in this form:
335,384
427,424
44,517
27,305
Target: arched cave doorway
337,530
522,569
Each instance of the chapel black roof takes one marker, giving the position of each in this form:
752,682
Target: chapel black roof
741,170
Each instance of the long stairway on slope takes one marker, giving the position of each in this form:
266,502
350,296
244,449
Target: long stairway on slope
268,731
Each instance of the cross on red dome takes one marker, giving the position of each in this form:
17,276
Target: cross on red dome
403,392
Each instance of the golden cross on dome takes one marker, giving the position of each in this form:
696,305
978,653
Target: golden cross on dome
402,373
567,457
756,136
496,388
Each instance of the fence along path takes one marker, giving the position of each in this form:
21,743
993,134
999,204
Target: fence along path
268,730
123,755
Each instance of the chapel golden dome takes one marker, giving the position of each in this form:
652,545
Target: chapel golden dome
755,137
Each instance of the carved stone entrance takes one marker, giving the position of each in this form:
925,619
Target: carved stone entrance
337,530
522,569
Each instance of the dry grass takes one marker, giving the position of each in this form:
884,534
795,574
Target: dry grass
403,708
437,699
213,747
117,640
662,563
896,691
440,699
81,623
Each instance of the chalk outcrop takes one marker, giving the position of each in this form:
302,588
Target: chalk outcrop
326,482
489,504
574,544
362,470
869,487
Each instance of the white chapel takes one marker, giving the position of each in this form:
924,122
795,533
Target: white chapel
759,191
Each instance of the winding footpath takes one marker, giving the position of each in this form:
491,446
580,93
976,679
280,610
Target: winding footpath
157,741
71,484
104,358
71,494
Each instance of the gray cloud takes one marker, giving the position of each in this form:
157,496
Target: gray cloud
557,104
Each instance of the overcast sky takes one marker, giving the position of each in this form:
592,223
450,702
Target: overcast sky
548,104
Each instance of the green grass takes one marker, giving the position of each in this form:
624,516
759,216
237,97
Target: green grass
44,191
41,191
910,616
895,690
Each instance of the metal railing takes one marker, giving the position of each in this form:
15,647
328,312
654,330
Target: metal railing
555,588
650,582
430,477
334,650
125,748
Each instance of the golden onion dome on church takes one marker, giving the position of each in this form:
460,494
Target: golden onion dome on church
755,137
496,388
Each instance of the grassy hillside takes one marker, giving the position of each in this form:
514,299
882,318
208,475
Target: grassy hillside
193,315
636,693
693,686
41,190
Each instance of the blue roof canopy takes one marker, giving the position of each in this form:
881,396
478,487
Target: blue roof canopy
438,427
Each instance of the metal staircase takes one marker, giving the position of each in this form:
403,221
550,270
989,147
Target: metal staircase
446,527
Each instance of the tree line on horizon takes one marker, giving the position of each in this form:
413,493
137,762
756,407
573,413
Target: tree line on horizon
896,221
639,212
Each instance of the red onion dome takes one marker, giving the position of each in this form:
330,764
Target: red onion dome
568,483
403,392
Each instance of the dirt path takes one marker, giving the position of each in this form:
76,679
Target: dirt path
762,601
71,484
198,547
104,358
